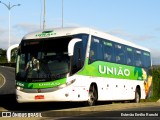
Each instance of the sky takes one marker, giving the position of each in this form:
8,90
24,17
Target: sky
137,21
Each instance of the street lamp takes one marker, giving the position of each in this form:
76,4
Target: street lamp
9,7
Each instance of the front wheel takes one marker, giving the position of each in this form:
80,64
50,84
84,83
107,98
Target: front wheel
92,96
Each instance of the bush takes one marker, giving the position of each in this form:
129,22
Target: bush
156,81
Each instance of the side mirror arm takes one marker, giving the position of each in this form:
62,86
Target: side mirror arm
71,51
71,46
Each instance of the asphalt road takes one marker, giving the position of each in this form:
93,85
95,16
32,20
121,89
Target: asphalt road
118,111
138,113
7,85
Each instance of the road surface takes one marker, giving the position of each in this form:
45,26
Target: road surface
137,113
7,80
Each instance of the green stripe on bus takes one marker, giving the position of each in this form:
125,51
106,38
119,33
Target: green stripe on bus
41,85
113,70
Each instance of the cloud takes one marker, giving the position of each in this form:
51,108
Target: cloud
26,27
119,32
58,23
4,39
144,37
16,33
129,36
2,31
155,56
157,29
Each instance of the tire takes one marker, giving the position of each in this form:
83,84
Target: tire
137,96
92,96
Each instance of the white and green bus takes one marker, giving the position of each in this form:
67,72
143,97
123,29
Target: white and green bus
81,65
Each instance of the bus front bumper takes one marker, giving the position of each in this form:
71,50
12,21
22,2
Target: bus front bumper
62,95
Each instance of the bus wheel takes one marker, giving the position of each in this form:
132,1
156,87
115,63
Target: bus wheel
92,97
137,96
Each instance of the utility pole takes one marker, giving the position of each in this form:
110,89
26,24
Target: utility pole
44,17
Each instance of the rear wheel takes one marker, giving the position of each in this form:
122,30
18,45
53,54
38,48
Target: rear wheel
137,96
92,96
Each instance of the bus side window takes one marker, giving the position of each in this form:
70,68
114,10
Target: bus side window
146,58
119,54
138,58
129,56
95,50
107,51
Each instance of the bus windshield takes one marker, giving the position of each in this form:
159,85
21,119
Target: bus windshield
43,59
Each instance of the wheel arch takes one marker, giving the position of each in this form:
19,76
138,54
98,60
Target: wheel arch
138,88
96,87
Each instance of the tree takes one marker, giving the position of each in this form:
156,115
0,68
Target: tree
3,55
156,81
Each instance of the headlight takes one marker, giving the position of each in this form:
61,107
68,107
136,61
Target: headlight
67,83
19,88
70,82
62,86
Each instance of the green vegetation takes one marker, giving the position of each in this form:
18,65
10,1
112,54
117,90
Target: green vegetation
156,82
155,91
3,58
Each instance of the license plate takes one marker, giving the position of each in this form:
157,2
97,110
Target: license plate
39,97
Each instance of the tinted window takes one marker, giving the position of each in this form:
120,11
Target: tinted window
129,56
79,52
108,51
105,50
119,54
147,59
95,50
138,58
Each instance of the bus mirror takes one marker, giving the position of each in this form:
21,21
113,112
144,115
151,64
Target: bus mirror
9,51
71,46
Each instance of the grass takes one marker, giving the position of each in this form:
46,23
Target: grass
151,99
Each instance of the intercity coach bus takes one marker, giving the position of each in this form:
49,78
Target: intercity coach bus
81,65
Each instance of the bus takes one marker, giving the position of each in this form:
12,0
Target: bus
81,65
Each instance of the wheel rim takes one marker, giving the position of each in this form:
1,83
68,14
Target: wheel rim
92,96
137,99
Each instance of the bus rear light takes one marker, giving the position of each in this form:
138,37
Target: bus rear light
39,97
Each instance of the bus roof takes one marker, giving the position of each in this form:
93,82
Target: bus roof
57,32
